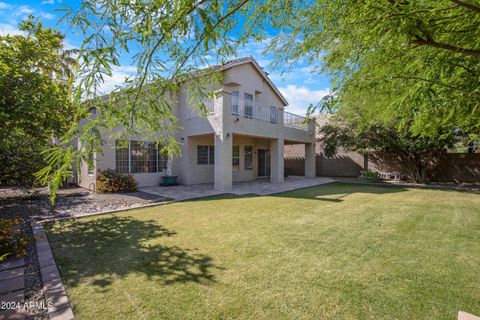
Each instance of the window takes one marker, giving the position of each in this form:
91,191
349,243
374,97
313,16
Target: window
91,166
139,157
122,162
248,105
248,157
211,154
273,115
205,154
235,95
236,157
202,154
143,157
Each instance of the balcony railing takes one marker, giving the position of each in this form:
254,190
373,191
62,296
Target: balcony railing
253,110
295,121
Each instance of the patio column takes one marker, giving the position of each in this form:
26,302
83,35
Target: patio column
276,160
310,160
223,161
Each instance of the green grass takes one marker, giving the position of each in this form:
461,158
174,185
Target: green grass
337,251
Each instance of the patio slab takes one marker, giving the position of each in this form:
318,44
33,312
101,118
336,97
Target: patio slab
258,187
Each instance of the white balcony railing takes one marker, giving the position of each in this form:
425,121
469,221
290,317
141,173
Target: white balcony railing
295,121
253,110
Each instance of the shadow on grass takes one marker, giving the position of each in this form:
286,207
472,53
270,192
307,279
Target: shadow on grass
105,249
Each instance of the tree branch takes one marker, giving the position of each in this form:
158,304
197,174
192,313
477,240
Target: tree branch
204,35
155,48
432,43
467,5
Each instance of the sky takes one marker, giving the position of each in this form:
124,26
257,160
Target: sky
299,85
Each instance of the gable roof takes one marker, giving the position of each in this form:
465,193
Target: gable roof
236,62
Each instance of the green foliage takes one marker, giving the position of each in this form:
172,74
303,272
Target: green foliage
35,85
111,181
411,64
356,131
20,156
405,74
12,239
371,175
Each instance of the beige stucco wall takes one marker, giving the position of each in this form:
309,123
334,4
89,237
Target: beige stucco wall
193,173
84,179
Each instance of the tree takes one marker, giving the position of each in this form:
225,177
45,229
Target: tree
416,64
415,153
35,105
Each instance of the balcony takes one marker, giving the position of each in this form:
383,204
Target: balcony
252,110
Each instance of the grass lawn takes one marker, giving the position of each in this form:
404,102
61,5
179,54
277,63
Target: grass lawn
337,251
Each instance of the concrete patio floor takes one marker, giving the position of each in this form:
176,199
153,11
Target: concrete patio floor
257,187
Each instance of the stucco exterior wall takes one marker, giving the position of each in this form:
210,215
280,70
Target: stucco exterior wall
84,178
204,173
246,79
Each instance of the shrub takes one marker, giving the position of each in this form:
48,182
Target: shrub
371,175
12,239
111,181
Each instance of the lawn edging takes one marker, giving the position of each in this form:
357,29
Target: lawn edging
58,305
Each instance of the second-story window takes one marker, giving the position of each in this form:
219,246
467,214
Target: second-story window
273,115
248,105
235,96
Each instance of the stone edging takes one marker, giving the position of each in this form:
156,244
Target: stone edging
58,306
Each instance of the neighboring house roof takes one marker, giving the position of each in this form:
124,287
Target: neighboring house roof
236,62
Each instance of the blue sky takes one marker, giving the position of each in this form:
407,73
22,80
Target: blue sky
299,85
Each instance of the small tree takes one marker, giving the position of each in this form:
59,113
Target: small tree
35,100
415,153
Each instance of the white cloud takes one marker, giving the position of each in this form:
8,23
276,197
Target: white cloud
12,13
48,2
47,16
119,74
299,97
23,10
10,29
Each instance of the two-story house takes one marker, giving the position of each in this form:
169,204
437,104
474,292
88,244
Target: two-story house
242,138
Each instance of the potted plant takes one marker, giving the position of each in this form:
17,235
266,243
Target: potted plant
169,179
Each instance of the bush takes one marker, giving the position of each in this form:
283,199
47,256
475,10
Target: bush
12,239
111,181
371,175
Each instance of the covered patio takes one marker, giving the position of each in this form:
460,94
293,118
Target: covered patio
256,187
